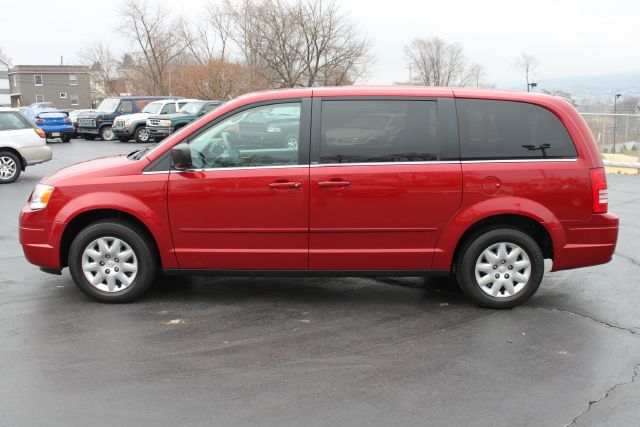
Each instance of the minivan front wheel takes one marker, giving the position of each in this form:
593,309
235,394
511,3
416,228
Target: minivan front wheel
500,268
112,261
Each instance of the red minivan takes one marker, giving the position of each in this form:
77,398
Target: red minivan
350,181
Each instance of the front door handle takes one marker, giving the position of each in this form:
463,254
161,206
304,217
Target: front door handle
285,185
334,183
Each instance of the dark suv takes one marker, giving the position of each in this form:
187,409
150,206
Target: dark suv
98,123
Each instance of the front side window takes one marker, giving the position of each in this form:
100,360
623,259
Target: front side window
13,121
510,130
169,109
38,79
242,141
126,107
378,131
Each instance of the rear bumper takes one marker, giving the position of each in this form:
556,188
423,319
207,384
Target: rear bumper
37,154
589,243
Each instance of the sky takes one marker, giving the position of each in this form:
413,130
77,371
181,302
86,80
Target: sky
568,37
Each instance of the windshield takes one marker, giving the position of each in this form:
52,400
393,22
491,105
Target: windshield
192,107
108,105
152,108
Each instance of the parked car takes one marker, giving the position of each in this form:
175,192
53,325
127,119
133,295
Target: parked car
22,144
160,127
275,126
99,123
134,125
480,185
42,105
73,115
55,124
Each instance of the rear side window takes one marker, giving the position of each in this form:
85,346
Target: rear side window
378,131
13,121
127,106
492,130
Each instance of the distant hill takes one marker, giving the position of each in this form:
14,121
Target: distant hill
609,82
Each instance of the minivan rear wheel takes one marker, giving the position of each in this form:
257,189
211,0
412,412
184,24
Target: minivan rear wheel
500,267
10,167
112,261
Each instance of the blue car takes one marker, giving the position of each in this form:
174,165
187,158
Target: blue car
55,124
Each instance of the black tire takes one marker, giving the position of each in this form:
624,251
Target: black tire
10,167
65,138
88,136
476,245
141,135
106,133
138,241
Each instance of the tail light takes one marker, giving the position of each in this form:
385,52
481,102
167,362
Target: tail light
40,132
600,191
39,120
68,120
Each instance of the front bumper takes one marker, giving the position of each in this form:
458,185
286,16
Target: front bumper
36,155
92,131
124,131
159,132
40,239
588,243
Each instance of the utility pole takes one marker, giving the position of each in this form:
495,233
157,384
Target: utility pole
615,117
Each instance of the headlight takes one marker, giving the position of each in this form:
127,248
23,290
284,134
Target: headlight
41,196
164,122
127,122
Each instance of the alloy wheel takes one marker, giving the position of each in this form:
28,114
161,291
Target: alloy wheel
8,168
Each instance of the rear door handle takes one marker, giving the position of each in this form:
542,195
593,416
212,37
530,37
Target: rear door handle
285,185
333,184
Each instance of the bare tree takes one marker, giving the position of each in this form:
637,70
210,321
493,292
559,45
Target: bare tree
4,56
104,68
300,43
157,45
208,39
527,65
438,63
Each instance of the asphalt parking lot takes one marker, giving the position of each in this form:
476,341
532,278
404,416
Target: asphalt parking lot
291,351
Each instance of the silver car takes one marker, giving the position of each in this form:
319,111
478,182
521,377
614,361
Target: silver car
22,144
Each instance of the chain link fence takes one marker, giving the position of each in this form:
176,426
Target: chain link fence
617,136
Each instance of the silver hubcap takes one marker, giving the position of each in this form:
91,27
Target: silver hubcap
109,264
503,269
143,134
107,134
8,167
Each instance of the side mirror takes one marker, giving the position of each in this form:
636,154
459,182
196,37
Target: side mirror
181,156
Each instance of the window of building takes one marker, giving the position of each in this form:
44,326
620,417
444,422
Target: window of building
73,80
378,131
37,78
75,100
510,130
39,98
15,80
63,95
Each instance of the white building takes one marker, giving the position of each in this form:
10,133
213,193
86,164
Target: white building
5,99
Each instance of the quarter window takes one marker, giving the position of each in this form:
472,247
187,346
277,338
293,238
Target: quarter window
13,121
39,81
378,131
259,136
510,130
